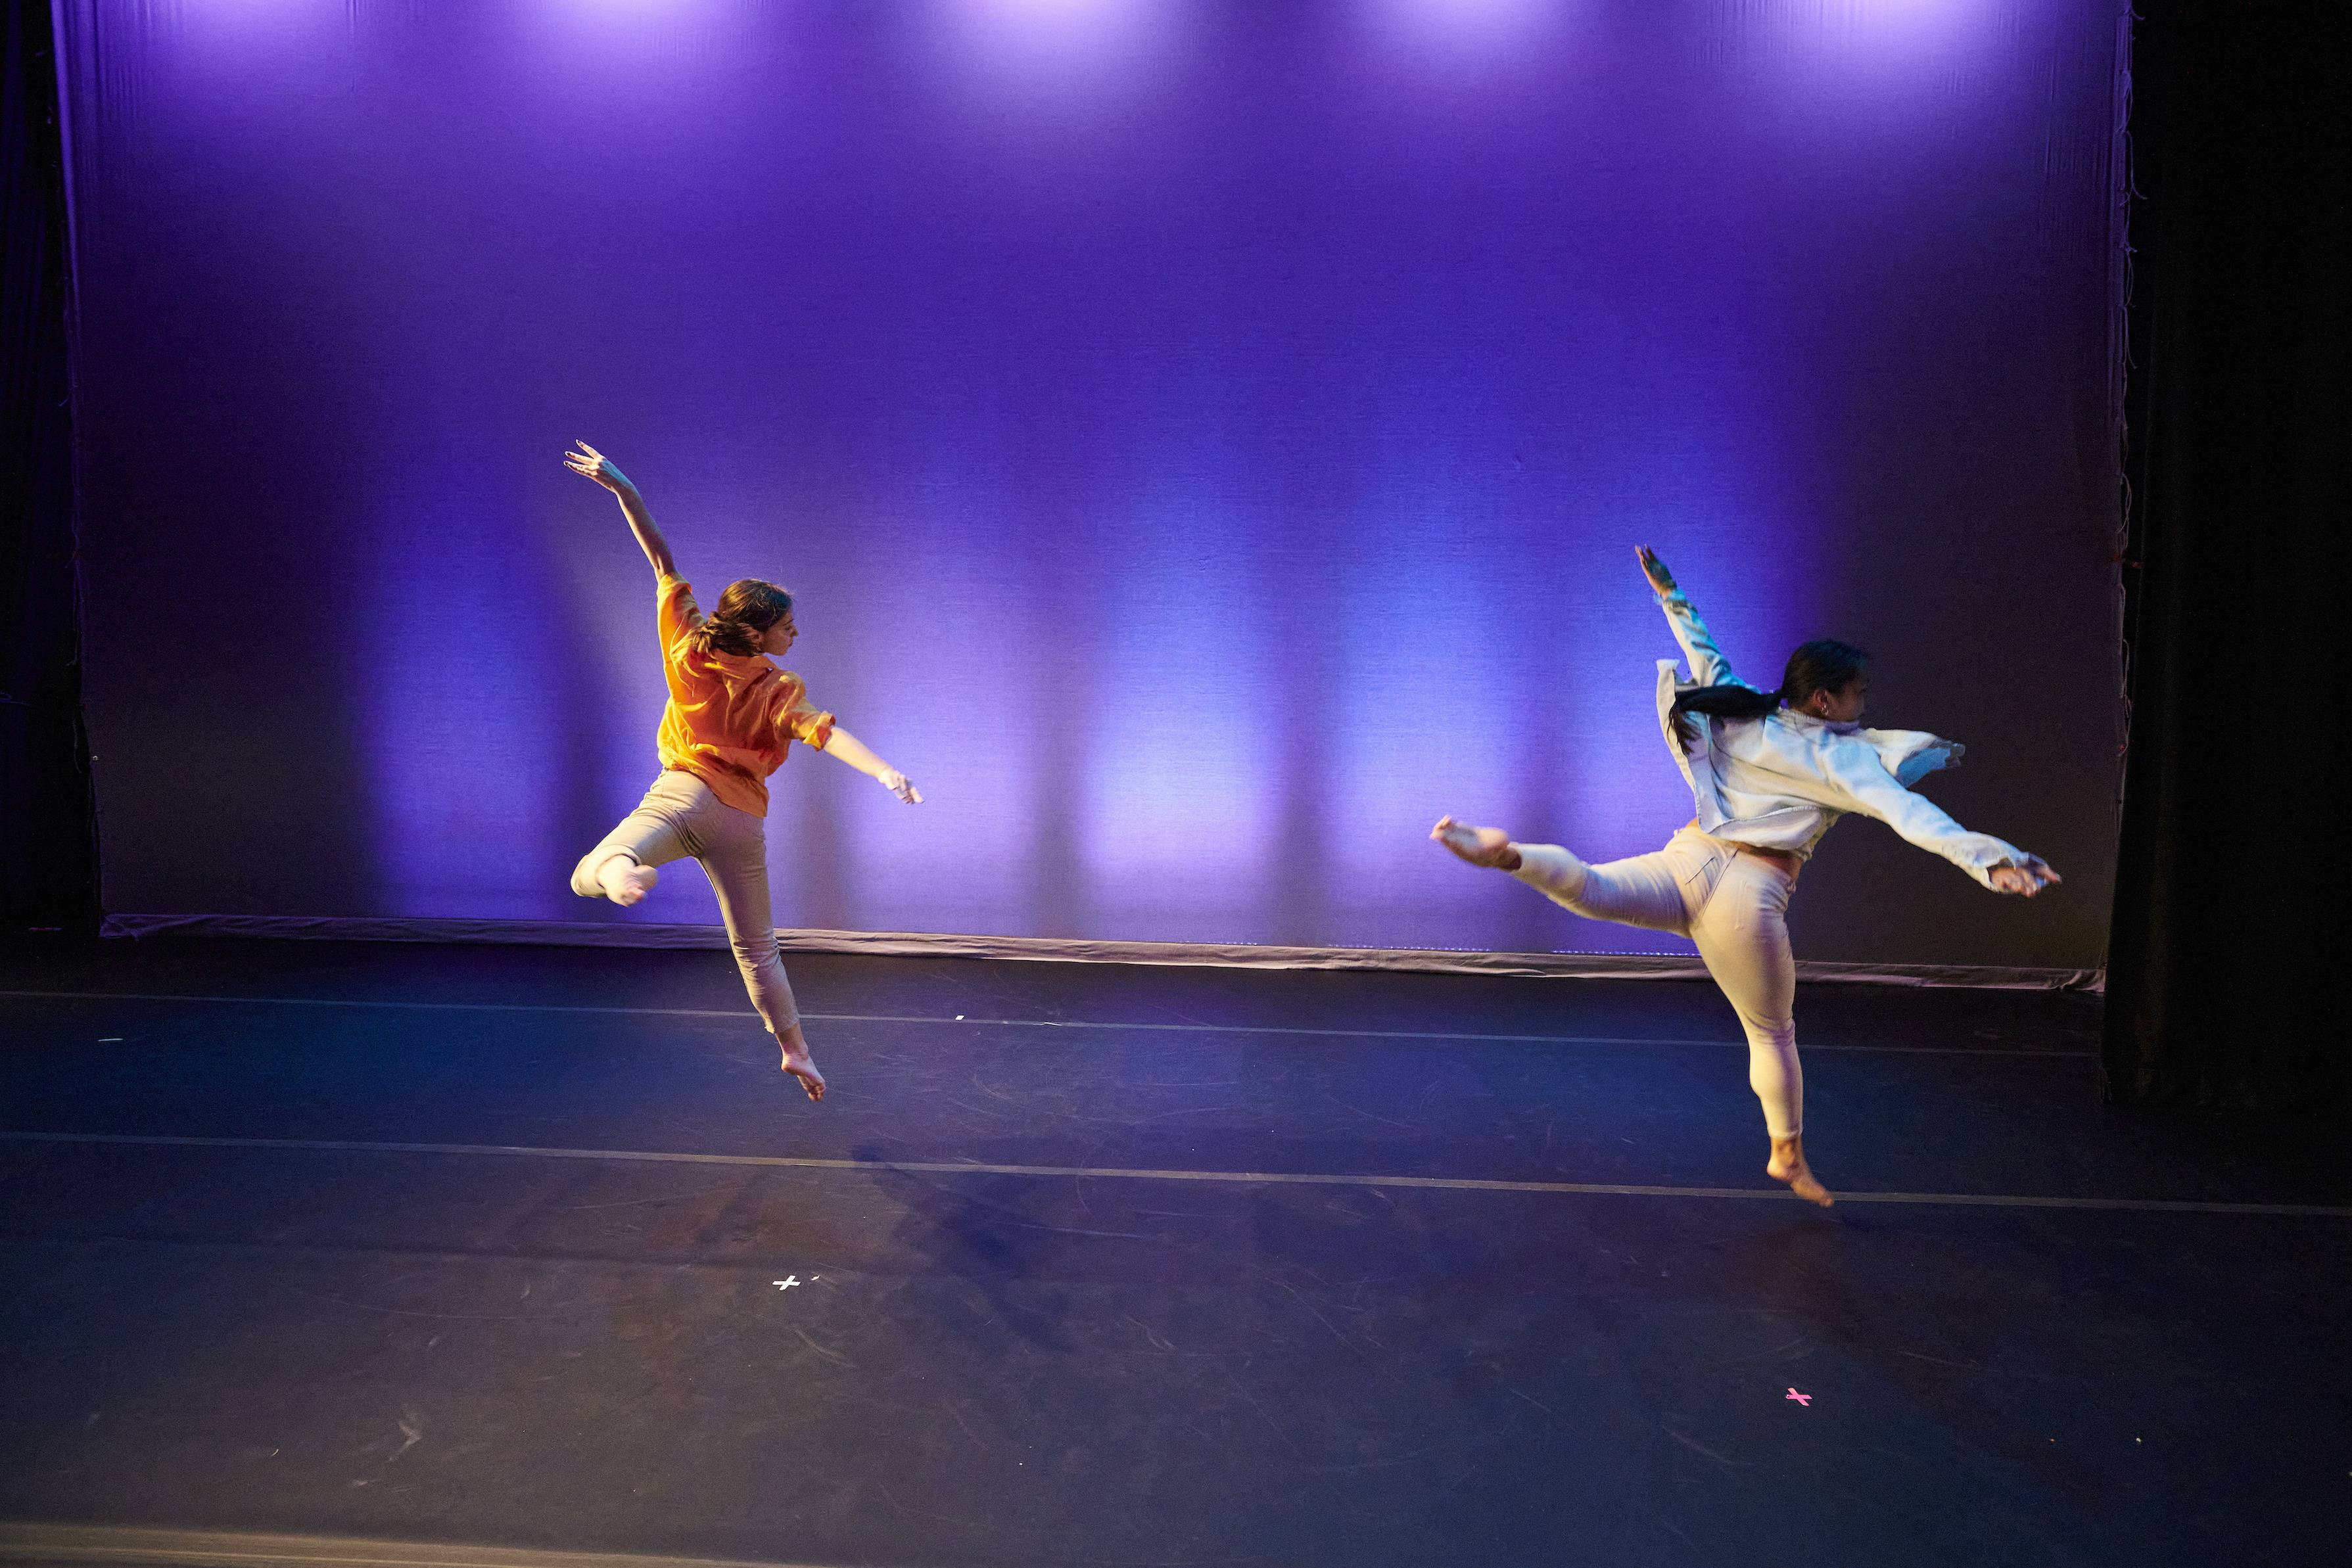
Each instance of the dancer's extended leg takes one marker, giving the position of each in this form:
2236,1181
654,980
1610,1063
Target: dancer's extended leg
1642,890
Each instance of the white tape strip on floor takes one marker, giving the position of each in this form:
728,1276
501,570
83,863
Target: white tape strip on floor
223,1549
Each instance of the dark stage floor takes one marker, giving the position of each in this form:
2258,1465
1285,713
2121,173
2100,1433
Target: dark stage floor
481,1246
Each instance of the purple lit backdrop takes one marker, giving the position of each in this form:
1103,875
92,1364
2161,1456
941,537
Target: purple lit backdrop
1208,440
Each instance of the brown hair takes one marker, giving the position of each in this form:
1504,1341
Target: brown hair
741,618
1823,666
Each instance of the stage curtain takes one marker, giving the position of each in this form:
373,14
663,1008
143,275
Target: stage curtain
47,856
2225,922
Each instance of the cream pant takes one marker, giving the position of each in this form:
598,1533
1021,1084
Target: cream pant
681,817
1734,904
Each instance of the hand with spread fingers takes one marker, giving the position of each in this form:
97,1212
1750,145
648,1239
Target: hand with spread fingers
590,463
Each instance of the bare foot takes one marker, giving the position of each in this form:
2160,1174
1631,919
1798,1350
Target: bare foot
625,882
1488,847
1787,1164
798,1062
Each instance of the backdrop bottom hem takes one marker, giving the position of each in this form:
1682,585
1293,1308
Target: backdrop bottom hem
951,945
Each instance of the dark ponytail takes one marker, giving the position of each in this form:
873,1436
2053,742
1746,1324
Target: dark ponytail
740,620
1823,666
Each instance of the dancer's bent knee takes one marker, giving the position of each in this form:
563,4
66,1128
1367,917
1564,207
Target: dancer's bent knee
659,831
588,876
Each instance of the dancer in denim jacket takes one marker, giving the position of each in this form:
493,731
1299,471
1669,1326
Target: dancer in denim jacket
1770,772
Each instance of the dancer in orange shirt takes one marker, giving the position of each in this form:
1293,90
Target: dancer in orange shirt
730,718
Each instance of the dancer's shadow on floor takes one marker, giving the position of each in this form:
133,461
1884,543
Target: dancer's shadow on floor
995,1244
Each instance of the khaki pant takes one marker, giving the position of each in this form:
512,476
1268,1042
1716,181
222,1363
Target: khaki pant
681,817
1733,902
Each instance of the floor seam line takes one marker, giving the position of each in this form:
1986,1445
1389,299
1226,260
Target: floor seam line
1110,1173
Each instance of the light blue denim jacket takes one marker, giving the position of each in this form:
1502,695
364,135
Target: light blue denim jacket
1781,781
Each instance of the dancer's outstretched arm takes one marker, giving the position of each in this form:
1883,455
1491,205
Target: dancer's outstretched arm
590,463
1707,665
1996,864
853,751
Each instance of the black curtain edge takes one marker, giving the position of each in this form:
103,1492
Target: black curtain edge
2196,1017
65,902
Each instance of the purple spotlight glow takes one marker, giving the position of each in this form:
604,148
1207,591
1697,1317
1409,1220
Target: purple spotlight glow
1916,51
588,16
639,42
595,9
218,14
1455,29
233,33
1056,48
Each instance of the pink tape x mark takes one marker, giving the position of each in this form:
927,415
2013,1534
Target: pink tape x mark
1804,1399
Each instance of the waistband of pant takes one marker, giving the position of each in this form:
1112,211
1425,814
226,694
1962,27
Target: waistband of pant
1787,860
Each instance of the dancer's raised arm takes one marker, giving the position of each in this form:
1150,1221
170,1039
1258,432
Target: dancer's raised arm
1707,665
590,463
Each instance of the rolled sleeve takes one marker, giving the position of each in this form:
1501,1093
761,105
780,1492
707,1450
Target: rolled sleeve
809,725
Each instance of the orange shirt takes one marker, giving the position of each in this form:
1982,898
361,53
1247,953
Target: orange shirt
731,717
